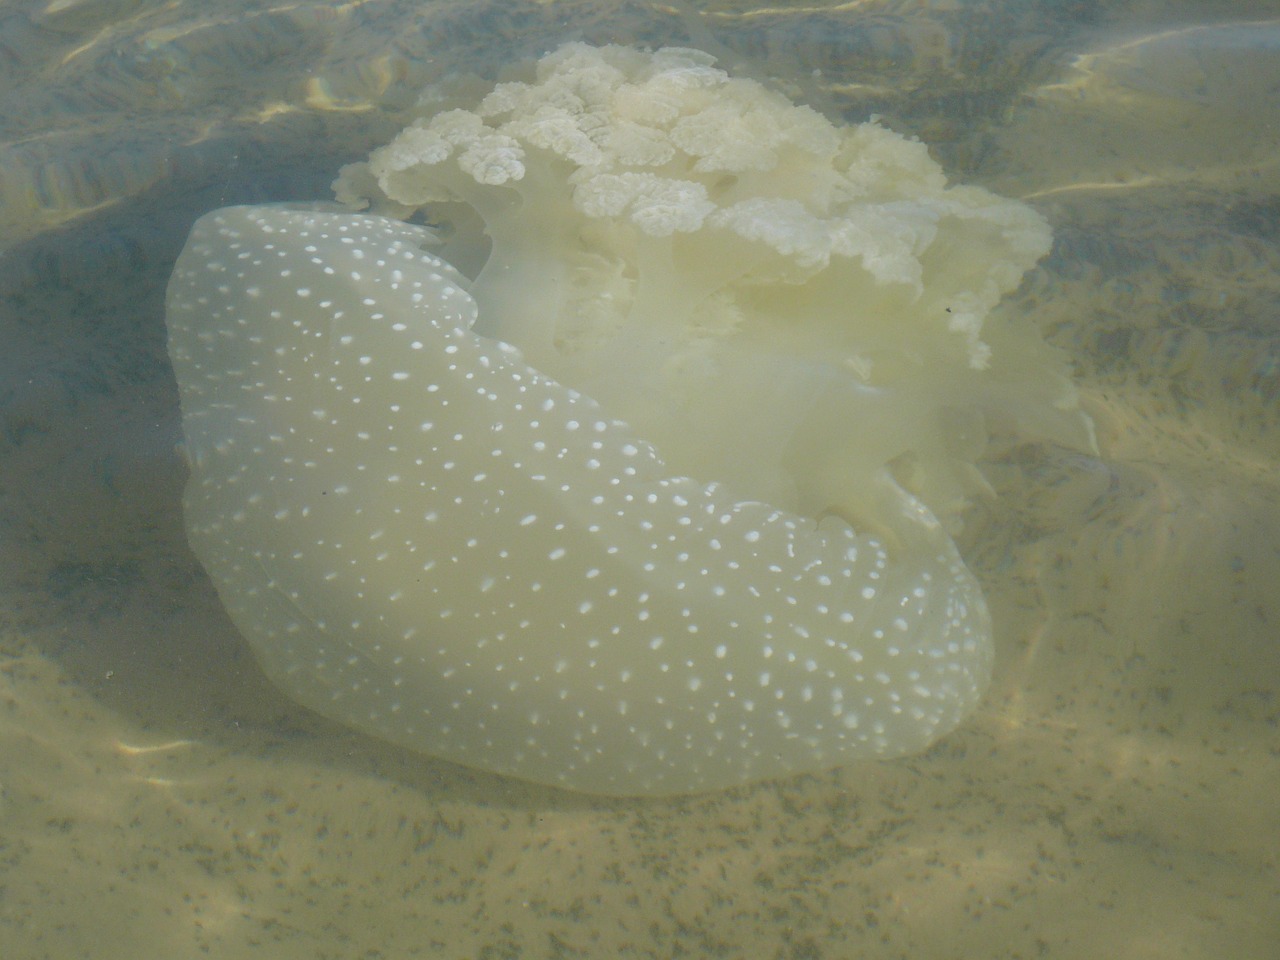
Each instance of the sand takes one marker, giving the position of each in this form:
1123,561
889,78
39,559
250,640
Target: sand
1114,797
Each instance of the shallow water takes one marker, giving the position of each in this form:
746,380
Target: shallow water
1113,797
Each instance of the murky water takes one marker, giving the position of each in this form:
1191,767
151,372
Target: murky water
1113,797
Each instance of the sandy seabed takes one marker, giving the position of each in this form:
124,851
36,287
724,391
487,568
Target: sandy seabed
1114,797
